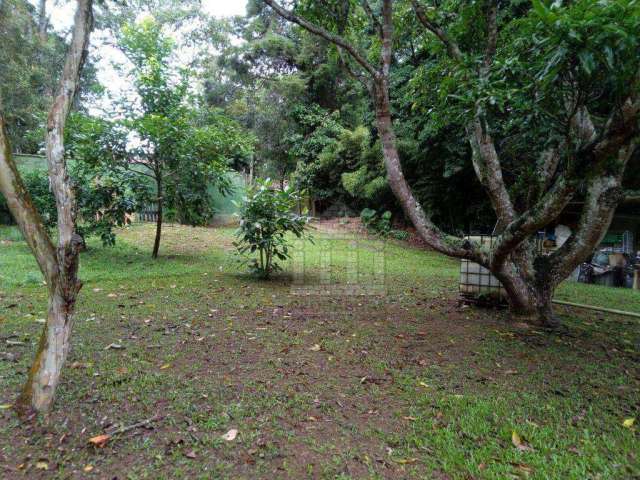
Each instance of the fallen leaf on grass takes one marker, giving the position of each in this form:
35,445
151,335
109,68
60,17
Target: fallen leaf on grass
230,435
190,454
88,468
165,366
522,468
114,346
99,441
42,465
315,348
628,422
519,442
404,461
422,384
79,365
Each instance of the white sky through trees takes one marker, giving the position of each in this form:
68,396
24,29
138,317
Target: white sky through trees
105,54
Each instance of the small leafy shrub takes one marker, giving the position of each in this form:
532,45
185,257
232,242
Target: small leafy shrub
266,217
400,234
376,223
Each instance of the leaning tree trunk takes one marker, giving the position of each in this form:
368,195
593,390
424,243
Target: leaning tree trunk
39,390
59,265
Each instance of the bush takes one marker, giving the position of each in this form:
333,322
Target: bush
266,217
376,223
400,234
104,198
37,184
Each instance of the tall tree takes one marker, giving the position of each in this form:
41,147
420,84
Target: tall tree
184,152
58,264
575,46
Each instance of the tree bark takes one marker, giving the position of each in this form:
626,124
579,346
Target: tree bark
42,20
156,243
59,265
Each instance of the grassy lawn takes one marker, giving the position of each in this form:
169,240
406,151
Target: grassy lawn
399,381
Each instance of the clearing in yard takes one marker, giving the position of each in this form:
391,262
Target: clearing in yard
195,370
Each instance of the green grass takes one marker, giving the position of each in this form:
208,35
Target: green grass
30,163
407,384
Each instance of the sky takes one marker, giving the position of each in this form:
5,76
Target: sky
62,15
61,19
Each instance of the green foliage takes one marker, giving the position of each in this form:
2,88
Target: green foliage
185,147
37,183
549,57
267,217
400,234
104,197
31,64
335,162
379,223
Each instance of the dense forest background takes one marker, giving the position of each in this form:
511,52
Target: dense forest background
310,122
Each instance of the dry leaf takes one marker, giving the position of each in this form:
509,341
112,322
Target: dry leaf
99,440
519,442
628,422
165,366
230,435
515,439
42,465
190,454
404,461
88,468
315,348
422,384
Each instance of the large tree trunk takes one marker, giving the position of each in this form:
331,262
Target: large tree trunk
39,390
530,300
156,243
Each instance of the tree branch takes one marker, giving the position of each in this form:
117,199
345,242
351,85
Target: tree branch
487,166
451,46
485,158
603,196
355,75
372,17
387,38
492,38
24,212
318,30
76,55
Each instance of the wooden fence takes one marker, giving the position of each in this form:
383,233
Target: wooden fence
149,213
